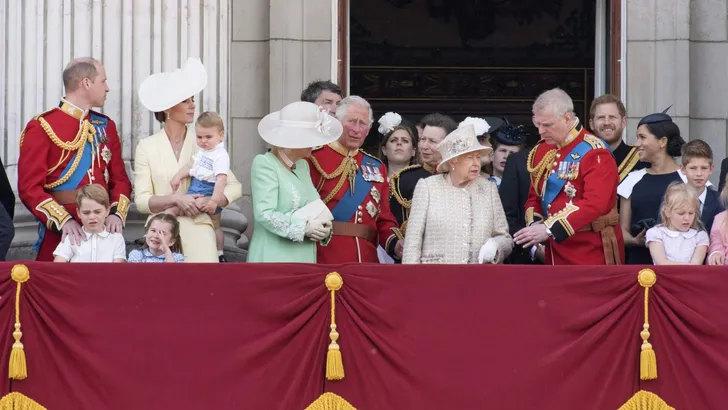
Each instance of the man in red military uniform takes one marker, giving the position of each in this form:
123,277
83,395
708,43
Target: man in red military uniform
354,186
69,147
572,201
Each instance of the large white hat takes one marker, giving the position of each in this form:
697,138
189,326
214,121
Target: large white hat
299,125
162,91
459,142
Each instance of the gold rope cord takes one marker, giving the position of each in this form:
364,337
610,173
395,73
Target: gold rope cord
334,363
329,401
539,171
648,360
17,401
644,400
348,164
17,368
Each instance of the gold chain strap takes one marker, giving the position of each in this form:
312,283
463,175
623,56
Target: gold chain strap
348,164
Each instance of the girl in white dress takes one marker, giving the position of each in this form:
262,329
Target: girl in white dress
680,239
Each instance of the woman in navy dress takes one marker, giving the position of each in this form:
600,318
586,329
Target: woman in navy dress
640,194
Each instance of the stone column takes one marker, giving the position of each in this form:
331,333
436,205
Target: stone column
658,61
278,47
709,76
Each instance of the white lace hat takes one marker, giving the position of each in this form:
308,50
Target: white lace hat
162,91
299,125
459,142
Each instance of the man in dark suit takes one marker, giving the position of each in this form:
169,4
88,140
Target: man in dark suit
7,210
513,193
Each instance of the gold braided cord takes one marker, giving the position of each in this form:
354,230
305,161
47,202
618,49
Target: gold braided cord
77,142
84,134
330,401
539,171
348,164
644,400
17,401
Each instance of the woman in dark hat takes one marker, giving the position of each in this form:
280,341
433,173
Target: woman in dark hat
640,194
507,139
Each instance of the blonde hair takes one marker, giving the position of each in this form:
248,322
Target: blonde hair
680,195
209,119
94,192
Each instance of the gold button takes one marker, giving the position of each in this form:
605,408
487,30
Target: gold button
556,163
558,155
359,220
549,206
359,207
359,213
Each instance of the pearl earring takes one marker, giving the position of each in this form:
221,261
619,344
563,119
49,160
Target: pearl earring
168,115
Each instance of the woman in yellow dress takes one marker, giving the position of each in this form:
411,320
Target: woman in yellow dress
171,96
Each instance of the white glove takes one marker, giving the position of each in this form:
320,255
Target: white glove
317,230
488,252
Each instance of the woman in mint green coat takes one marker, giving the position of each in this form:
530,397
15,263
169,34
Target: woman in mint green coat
289,217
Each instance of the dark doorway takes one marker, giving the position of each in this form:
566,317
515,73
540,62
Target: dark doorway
470,57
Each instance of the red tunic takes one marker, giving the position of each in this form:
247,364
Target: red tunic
594,193
372,211
47,154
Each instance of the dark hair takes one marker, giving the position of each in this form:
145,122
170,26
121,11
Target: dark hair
314,90
696,149
174,233
409,128
669,130
441,121
607,99
160,116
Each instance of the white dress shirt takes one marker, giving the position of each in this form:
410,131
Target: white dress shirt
98,247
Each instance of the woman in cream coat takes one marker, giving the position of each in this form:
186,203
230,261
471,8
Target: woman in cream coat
457,216
159,157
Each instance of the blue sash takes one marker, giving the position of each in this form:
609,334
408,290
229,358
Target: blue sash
347,206
554,184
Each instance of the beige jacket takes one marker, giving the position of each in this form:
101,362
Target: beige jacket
449,225
154,167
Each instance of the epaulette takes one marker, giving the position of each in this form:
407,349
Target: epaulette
100,114
595,142
408,168
35,118
379,161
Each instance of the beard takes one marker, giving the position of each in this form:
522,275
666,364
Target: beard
616,135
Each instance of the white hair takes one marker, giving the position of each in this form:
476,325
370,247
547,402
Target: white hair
555,99
343,109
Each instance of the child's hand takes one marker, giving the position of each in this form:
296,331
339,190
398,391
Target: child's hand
210,207
716,258
175,183
165,243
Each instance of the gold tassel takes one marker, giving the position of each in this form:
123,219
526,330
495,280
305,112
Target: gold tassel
17,368
644,400
17,401
334,362
648,360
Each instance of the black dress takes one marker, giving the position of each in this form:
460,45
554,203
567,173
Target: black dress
646,199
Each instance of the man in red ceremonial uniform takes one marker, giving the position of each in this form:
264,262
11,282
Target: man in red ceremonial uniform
69,147
354,186
572,201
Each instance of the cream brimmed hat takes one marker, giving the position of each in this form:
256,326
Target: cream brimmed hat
162,91
299,125
459,142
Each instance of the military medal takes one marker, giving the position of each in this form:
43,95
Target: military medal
375,194
106,154
372,209
378,175
570,191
